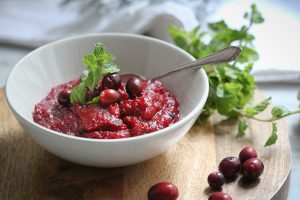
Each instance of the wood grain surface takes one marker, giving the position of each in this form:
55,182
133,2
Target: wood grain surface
29,172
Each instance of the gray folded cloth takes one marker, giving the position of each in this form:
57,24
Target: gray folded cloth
273,75
34,23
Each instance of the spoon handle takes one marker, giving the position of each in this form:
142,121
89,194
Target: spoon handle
223,56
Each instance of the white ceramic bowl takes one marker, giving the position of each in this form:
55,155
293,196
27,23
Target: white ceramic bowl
61,61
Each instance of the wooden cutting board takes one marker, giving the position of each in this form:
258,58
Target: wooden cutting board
29,172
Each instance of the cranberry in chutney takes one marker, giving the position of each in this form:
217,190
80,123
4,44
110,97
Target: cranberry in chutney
109,96
134,86
230,166
111,81
163,191
247,153
63,97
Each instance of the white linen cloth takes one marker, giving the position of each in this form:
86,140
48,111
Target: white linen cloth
36,22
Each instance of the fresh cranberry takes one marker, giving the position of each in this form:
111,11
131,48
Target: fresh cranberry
111,81
252,168
163,191
247,153
215,180
63,97
109,96
134,87
219,196
230,166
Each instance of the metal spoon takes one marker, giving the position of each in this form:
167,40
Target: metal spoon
223,56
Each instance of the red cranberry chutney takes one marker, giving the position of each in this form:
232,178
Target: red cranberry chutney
121,114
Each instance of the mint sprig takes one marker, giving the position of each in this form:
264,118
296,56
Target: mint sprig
99,63
231,86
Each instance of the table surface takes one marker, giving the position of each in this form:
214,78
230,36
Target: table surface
283,94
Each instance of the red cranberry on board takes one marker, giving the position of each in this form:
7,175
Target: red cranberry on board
163,191
134,87
230,166
219,196
252,168
109,96
215,180
111,81
247,153
63,97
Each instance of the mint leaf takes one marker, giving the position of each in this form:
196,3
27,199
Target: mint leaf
218,26
89,61
279,111
247,55
78,93
258,108
256,15
226,98
180,37
93,78
242,127
98,64
84,75
99,49
95,100
248,68
110,68
273,138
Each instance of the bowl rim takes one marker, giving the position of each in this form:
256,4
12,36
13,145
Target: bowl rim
160,132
